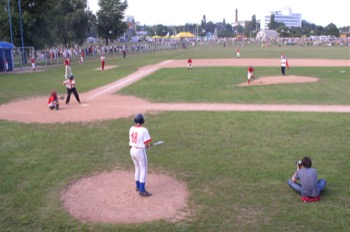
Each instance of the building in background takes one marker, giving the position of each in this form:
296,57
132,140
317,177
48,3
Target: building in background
285,16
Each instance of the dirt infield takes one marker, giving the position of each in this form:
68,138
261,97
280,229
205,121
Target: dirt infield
111,197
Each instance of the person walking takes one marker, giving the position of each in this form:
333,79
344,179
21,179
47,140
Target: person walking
139,140
68,68
103,59
310,187
70,85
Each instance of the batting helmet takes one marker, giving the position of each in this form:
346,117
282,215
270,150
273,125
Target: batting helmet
139,119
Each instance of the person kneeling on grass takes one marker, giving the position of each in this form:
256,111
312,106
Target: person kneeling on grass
309,187
53,101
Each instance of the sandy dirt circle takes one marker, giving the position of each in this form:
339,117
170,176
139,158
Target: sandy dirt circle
276,80
112,198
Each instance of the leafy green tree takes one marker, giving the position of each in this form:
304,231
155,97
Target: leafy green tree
331,29
272,23
203,25
110,24
73,20
38,22
210,27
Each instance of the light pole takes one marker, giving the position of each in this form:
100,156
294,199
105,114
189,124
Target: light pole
20,22
10,20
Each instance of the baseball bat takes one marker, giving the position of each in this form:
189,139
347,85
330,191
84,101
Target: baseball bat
157,143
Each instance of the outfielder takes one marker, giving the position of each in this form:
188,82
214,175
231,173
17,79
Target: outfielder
284,64
68,68
238,53
32,60
139,140
189,63
103,58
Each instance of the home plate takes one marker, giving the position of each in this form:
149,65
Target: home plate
84,104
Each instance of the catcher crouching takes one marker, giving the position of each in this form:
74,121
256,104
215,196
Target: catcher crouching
53,101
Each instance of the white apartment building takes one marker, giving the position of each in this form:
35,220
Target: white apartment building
285,16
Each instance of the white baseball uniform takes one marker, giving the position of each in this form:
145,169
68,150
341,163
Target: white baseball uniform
138,138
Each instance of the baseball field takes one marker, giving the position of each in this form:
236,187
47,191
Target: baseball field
229,148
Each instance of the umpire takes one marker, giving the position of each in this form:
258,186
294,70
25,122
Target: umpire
70,85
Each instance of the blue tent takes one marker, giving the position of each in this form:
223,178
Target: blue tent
6,45
6,56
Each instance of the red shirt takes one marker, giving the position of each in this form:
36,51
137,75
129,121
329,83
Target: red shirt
32,60
250,69
189,61
51,99
67,62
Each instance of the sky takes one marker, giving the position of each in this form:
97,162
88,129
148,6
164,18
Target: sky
180,12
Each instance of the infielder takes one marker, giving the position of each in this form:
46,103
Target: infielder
68,68
250,73
139,140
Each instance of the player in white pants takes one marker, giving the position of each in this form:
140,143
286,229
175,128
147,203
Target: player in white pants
139,140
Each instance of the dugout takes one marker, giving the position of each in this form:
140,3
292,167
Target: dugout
6,55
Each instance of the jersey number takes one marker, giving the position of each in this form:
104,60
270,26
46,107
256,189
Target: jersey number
134,137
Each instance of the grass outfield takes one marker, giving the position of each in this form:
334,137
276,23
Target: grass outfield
235,164
219,84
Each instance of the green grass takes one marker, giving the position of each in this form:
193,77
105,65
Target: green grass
213,84
235,164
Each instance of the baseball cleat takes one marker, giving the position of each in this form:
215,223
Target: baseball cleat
145,194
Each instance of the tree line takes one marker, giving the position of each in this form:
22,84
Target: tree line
48,23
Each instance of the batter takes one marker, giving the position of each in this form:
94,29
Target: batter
139,140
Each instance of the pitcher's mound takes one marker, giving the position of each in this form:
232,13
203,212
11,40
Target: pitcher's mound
279,80
112,198
106,67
